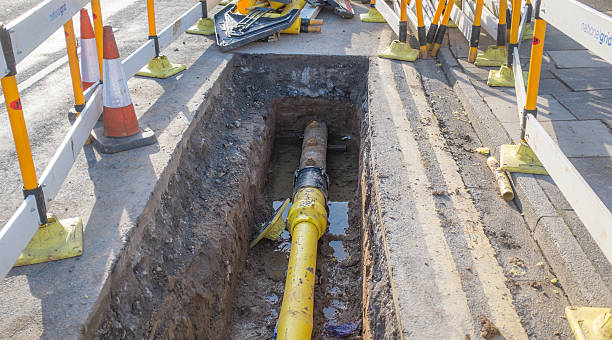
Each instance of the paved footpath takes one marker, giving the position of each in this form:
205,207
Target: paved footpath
574,107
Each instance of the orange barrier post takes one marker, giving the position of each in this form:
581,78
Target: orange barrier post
205,25
97,20
373,14
160,66
433,28
442,29
504,77
90,67
73,63
496,55
528,28
121,131
520,157
475,38
400,49
421,29
54,239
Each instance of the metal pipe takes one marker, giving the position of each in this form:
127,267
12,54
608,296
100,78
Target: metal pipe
307,222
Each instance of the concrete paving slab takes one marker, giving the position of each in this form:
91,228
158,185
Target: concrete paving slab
597,171
553,86
591,109
584,96
557,41
548,109
576,59
485,90
458,44
581,138
513,130
586,79
475,72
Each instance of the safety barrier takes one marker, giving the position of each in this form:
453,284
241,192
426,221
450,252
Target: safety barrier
19,38
537,152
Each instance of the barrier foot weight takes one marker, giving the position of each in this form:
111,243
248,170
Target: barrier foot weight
205,26
56,240
160,67
504,77
400,51
493,56
527,31
520,158
108,145
590,322
373,15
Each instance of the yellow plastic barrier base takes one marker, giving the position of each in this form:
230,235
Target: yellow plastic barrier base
373,15
451,24
400,51
160,67
589,323
55,240
520,158
504,77
493,56
273,228
527,32
205,26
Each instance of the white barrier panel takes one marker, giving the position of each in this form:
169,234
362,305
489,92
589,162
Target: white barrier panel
389,15
33,27
589,208
463,22
3,67
589,27
65,156
17,233
22,226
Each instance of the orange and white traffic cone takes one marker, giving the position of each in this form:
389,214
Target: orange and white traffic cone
121,131
90,68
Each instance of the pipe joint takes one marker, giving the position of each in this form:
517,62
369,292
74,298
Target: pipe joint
308,206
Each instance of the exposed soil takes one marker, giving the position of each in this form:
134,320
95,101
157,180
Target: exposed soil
177,278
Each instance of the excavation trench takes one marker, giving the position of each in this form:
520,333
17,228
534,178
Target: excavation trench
188,271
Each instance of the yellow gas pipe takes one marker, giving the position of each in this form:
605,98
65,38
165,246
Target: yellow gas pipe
307,222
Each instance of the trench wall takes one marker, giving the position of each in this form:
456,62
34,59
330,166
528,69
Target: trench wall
176,278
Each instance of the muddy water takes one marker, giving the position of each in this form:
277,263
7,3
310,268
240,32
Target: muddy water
259,293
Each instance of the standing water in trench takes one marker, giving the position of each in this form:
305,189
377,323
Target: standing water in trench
259,294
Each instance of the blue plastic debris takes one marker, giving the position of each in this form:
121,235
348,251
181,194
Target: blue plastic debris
342,331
